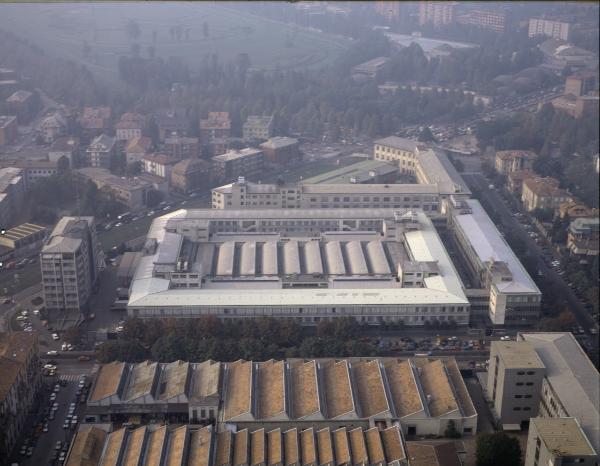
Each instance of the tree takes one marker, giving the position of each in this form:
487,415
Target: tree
426,135
73,335
451,430
63,164
498,449
121,350
154,197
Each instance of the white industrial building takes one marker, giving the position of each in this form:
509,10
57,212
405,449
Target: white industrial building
375,265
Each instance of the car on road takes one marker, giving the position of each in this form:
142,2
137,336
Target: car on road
66,424
45,427
55,336
52,353
83,358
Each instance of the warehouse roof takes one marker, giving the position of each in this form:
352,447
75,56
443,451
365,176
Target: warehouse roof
200,447
173,380
563,436
135,443
141,380
107,380
238,394
370,391
358,172
338,390
87,446
398,143
271,388
437,169
403,388
278,142
305,393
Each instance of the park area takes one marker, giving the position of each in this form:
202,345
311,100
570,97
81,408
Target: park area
189,31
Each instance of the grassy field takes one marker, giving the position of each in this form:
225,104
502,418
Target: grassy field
63,28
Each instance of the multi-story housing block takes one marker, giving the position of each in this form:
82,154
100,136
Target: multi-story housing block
487,19
24,105
394,149
192,175
258,127
216,126
12,194
181,147
508,161
514,384
437,13
100,151
282,150
246,162
543,193
52,127
8,129
67,147
131,125
583,236
70,262
21,382
549,28
581,83
158,165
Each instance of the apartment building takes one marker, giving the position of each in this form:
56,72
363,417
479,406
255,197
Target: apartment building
398,150
21,382
171,121
545,27
67,147
558,441
137,148
581,83
35,170
515,180
247,195
24,105
100,151
492,20
12,193
436,13
52,127
8,129
181,147
158,165
543,193
94,121
583,236
131,125
514,383
192,175
575,209
70,261
282,150
216,126
509,161
258,127
248,162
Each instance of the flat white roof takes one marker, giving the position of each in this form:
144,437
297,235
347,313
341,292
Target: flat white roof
489,244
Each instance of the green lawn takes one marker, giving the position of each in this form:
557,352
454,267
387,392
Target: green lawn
63,28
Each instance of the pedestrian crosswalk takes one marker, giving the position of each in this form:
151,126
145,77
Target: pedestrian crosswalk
69,377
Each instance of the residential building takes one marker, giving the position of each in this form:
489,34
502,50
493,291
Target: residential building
577,106
52,127
396,149
158,165
574,209
248,162
514,384
23,240
191,175
171,121
258,127
549,28
366,172
434,453
543,193
583,236
558,441
131,125
486,19
70,262
21,382
515,181
35,170
559,55
388,88
390,10
247,195
508,161
94,121
101,151
216,126
369,69
131,192
413,397
181,147
24,105
581,83
137,148
514,298
282,150
437,13
12,194
204,254
65,146
571,387
8,129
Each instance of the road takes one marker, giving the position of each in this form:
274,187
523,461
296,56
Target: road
491,199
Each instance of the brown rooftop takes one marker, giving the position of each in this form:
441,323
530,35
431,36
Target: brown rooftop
239,385
200,443
460,388
338,392
173,380
241,448
87,447
403,388
369,388
154,450
291,447
374,446
270,388
176,446
205,379
392,444
513,154
341,446
113,448
307,447
433,454
274,447
258,453
544,187
141,379
160,159
304,392
133,451
437,388
358,447
107,380
224,448
325,446
139,145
